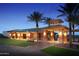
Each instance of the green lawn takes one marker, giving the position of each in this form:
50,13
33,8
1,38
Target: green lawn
55,51
14,42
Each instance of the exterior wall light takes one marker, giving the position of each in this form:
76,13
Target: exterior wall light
18,34
51,34
13,34
10,34
28,34
44,33
60,33
65,34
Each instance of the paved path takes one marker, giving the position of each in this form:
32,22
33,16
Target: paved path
33,50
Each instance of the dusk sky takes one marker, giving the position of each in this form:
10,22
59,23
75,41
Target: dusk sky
14,16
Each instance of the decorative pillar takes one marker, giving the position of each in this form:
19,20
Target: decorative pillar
21,36
60,37
28,36
65,37
52,36
18,36
45,35
14,37
35,37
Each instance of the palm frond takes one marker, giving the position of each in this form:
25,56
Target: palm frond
60,15
47,20
30,18
63,8
62,11
76,8
35,16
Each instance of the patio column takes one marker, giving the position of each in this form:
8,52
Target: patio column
29,34
65,37
18,35
60,37
14,36
21,36
45,35
52,36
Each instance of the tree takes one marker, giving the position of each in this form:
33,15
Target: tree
36,17
47,20
75,23
69,10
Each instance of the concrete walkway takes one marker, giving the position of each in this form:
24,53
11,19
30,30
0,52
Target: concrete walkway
33,50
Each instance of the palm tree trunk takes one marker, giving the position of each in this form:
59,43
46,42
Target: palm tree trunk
37,26
70,34
73,31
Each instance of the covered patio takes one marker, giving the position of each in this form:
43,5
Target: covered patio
56,33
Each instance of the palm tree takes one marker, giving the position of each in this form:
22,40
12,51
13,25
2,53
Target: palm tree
47,20
75,23
36,17
69,10
75,18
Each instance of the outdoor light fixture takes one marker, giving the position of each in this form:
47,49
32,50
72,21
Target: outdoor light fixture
28,34
51,33
60,33
65,34
44,33
13,34
9,34
18,34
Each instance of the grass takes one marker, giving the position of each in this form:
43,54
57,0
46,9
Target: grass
55,51
14,42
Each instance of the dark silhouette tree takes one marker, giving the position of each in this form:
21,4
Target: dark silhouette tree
36,17
47,20
69,10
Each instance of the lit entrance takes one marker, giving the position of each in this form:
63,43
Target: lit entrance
51,37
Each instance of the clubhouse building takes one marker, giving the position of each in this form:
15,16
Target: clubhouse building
53,33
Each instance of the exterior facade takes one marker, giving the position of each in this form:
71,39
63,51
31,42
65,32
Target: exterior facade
55,33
